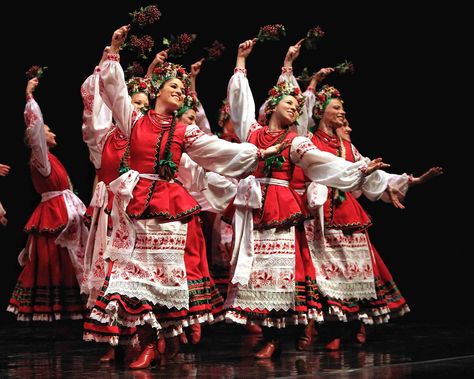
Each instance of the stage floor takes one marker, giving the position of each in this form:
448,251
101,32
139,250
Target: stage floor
402,349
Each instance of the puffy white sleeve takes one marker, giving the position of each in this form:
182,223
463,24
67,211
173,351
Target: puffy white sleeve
96,118
191,175
375,188
242,104
113,91
37,139
326,168
215,154
400,183
310,102
202,121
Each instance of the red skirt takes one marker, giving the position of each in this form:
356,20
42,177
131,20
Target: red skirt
47,288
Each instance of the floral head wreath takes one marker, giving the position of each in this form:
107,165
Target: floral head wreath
190,102
137,84
224,113
278,92
167,71
323,97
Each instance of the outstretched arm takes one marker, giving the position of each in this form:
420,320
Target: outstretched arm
225,158
399,184
328,169
35,130
239,95
428,175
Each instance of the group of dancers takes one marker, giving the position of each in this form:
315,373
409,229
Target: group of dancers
276,194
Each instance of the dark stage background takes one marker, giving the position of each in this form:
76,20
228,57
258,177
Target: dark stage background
400,103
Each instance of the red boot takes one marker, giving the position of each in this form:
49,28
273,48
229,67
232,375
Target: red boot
195,335
268,350
149,353
304,341
148,356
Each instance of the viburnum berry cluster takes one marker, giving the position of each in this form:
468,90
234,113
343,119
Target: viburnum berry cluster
146,16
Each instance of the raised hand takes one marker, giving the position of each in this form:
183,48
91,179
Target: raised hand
31,86
196,67
245,48
118,38
293,53
161,57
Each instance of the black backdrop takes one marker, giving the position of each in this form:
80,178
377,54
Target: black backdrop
399,103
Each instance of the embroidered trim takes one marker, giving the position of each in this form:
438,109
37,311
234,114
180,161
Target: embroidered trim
337,289
113,57
115,314
87,100
167,297
303,148
363,169
241,70
191,137
265,320
292,220
263,300
36,230
48,317
166,215
355,226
